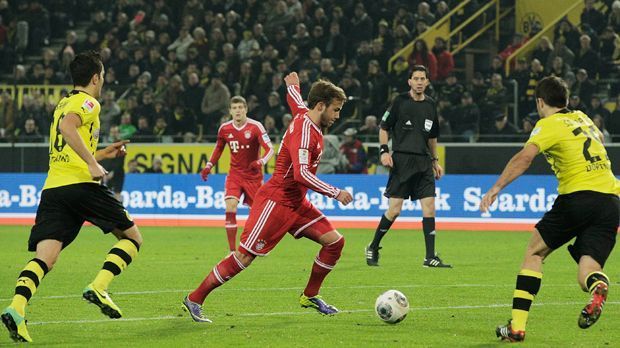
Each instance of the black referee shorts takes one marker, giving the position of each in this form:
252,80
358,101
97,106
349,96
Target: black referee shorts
591,217
411,177
63,210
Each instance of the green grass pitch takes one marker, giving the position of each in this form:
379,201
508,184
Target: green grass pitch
259,308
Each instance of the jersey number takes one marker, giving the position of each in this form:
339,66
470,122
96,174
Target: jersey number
590,134
234,146
59,141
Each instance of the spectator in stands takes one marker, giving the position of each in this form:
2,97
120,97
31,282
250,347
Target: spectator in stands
144,133
126,128
110,110
353,91
560,69
584,87
494,100
478,87
424,13
375,89
156,165
378,53
335,46
181,44
608,45
441,10
29,133
592,16
574,103
384,34
521,74
596,107
270,125
518,40
445,61
286,121
274,108
570,35
613,122
561,50
420,27
543,50
332,160
502,130
132,167
536,74
614,16
161,129
183,125
599,122
402,37
361,28
497,67
370,129
586,57
354,151
452,90
8,115
465,120
422,56
527,126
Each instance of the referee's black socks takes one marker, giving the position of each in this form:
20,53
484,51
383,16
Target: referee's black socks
428,226
384,226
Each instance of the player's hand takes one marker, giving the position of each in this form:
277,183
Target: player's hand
291,79
437,170
344,197
256,165
488,199
386,160
97,172
204,173
116,149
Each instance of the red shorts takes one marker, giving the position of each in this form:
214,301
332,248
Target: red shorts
270,221
236,185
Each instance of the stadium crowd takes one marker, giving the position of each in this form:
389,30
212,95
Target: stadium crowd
170,70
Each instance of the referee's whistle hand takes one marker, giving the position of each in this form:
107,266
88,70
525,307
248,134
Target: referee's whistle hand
386,160
344,197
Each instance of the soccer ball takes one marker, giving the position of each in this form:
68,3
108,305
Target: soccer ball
392,306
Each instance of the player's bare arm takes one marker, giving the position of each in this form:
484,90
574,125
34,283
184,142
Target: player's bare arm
386,157
114,150
517,165
68,128
437,169
344,197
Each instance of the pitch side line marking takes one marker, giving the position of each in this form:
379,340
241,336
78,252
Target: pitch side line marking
352,311
154,292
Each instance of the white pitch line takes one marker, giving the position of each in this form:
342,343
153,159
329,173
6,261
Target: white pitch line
352,311
154,292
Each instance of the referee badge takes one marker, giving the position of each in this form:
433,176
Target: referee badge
428,124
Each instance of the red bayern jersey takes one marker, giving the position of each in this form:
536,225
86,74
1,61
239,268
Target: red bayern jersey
298,158
244,143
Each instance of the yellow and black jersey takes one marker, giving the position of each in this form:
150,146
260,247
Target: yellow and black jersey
66,166
570,142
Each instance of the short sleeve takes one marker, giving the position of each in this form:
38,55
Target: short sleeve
85,108
542,136
391,115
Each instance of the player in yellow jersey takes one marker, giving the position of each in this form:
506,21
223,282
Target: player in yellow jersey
587,207
73,194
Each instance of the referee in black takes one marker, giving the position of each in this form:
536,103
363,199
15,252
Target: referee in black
412,121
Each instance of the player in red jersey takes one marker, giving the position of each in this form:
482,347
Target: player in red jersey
281,205
244,136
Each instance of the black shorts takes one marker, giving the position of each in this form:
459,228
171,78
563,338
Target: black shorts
411,177
63,210
591,217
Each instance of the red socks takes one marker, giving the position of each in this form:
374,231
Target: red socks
221,273
323,264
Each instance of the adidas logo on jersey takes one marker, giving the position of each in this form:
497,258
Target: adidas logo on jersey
408,123
230,135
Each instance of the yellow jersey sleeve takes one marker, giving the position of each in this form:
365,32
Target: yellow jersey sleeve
542,136
66,167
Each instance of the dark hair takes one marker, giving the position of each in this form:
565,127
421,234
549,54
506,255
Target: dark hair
423,52
553,91
420,68
326,92
84,66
